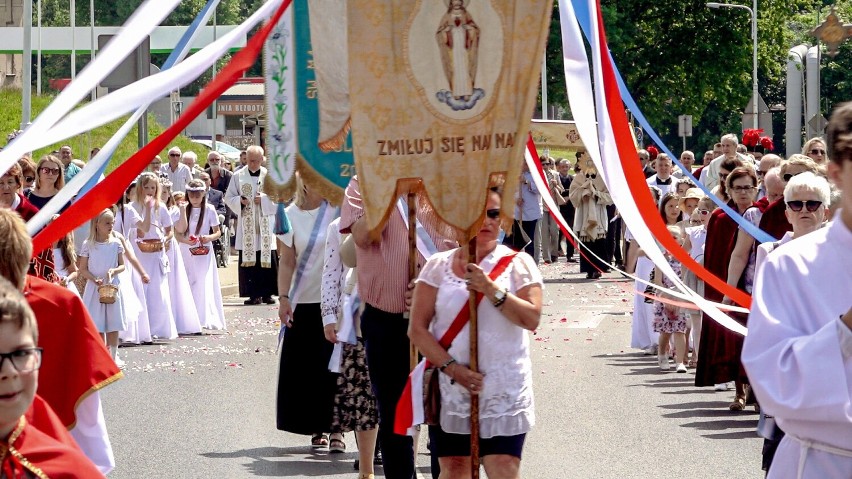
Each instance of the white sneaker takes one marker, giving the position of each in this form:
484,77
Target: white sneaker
721,387
119,362
664,362
732,386
681,368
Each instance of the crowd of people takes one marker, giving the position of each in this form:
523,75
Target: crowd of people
145,270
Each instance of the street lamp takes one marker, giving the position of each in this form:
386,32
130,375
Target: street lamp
753,13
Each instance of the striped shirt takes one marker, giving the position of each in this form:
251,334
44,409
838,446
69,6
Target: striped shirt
383,266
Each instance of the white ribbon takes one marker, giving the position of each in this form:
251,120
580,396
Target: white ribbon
66,194
608,162
135,29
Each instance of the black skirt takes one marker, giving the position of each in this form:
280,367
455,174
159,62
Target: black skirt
306,388
256,281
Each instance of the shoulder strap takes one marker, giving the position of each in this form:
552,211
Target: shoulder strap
464,315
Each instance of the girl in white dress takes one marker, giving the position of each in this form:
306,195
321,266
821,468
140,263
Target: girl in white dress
153,228
65,262
196,230
101,261
184,309
133,280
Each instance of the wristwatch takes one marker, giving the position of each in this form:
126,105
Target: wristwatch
499,297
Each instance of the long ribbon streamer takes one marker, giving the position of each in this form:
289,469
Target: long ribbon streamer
92,172
110,190
138,26
621,149
583,17
539,181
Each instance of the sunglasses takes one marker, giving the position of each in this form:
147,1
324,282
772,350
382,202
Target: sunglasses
788,176
52,171
703,212
174,154
811,205
29,179
493,214
723,176
817,151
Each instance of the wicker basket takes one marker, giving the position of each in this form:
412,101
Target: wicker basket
150,245
199,250
107,293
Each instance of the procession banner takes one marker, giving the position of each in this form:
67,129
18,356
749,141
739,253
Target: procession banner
556,135
297,137
442,92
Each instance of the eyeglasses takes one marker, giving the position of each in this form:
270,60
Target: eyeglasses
811,205
174,154
817,151
29,179
743,189
788,176
23,360
493,214
50,171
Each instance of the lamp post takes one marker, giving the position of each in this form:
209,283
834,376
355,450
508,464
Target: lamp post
753,13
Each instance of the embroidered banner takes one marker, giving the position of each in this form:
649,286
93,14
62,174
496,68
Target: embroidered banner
299,133
442,91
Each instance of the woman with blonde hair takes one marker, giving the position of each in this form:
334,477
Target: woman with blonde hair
50,178
153,229
815,149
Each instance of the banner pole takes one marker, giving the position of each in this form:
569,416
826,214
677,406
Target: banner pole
474,366
412,265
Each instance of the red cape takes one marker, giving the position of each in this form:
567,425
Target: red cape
26,209
719,360
75,361
52,453
774,221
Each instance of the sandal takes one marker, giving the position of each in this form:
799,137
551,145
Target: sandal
319,441
738,404
336,444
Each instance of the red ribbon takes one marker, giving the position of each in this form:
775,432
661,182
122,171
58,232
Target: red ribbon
639,187
107,192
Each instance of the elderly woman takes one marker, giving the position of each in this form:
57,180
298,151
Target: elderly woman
511,306
10,198
815,150
728,255
50,178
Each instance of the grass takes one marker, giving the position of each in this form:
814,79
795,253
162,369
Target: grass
10,120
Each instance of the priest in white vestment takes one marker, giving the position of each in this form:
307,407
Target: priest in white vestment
798,352
255,238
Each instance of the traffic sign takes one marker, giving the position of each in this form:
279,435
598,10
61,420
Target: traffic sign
684,126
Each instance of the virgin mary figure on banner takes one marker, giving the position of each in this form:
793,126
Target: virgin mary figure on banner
458,39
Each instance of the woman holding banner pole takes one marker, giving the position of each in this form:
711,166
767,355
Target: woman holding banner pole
512,289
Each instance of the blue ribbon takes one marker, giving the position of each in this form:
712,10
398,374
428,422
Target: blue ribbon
581,9
180,51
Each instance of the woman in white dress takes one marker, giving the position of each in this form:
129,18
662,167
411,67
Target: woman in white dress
152,229
183,307
197,229
510,286
133,280
101,261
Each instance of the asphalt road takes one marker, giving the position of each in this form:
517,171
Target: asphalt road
204,406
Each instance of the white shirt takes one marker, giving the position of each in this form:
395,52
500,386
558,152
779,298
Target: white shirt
179,178
506,401
672,186
309,287
798,353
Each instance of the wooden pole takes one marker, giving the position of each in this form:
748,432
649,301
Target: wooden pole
474,366
412,264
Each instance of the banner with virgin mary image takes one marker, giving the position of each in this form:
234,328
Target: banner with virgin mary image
441,95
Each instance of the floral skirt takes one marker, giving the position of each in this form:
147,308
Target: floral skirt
354,404
668,321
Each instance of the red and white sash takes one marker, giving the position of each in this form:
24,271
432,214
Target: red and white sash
409,409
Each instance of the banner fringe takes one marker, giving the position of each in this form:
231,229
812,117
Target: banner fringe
337,141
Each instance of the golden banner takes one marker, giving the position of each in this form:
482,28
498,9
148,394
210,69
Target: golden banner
442,91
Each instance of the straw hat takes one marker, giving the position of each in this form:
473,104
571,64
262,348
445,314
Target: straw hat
347,251
692,193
